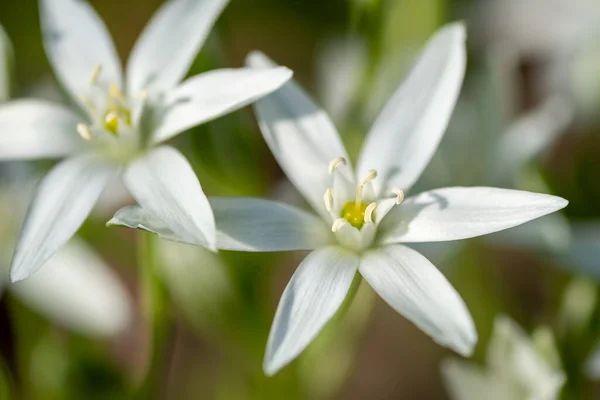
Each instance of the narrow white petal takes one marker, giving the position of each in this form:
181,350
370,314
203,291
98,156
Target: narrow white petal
78,290
31,129
300,135
408,131
243,224
465,381
63,200
250,224
415,288
168,45
311,298
461,213
77,42
164,183
210,95
6,65
529,136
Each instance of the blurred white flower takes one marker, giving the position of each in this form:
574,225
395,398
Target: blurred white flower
516,368
121,126
76,289
563,34
360,222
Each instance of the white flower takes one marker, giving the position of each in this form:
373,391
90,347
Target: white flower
120,124
76,289
516,370
362,218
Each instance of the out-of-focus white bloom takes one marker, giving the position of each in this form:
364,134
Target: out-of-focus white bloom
122,122
516,369
76,289
538,28
362,218
561,33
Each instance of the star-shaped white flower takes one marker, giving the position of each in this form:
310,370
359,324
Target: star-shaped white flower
121,121
362,218
516,369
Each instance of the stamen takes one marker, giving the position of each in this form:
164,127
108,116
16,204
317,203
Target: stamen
95,74
337,224
84,131
369,213
116,92
328,199
399,195
336,162
372,174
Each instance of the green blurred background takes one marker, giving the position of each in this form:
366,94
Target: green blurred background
220,317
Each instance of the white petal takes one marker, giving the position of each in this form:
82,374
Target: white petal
168,45
408,131
465,381
78,290
210,95
415,288
135,217
300,135
249,224
243,224
63,200
164,183
311,298
461,213
77,42
31,129
529,136
6,65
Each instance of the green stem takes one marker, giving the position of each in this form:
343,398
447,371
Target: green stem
154,303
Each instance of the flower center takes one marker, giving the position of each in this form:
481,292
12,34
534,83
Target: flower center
112,114
356,212
353,214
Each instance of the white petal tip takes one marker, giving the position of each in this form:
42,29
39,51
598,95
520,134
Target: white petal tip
271,368
113,222
17,275
257,59
458,28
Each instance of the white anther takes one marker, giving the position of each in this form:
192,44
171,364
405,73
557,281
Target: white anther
369,213
328,199
372,174
95,74
111,117
336,162
116,92
84,131
337,224
399,195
